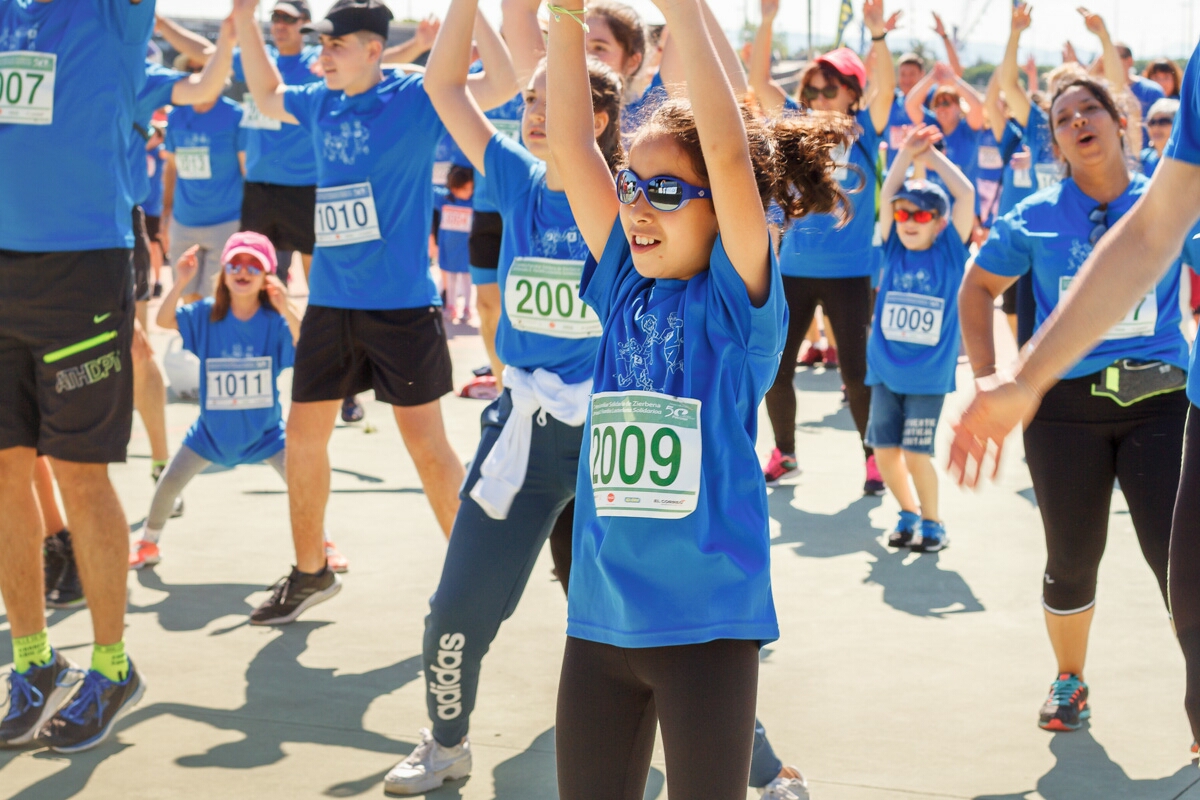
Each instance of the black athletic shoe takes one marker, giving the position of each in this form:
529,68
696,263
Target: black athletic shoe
53,561
67,591
89,718
352,410
34,696
295,594
158,290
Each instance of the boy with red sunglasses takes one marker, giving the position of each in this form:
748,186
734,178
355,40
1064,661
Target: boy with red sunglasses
913,349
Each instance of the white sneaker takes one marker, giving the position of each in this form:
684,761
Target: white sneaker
786,789
429,766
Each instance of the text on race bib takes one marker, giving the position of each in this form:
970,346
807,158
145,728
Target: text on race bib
193,163
989,158
346,215
252,116
1022,179
1141,320
897,134
510,128
541,295
27,87
912,318
457,219
1047,175
644,454
441,171
237,384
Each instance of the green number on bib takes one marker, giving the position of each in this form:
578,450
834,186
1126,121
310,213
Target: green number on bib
564,308
608,465
523,306
537,295
671,459
632,477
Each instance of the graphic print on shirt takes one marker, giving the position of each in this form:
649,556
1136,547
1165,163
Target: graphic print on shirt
549,244
348,143
636,358
19,38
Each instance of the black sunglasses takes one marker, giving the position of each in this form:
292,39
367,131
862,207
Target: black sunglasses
1099,218
828,91
286,19
1159,121
662,192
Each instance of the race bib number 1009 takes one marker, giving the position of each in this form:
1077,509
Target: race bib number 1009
645,450
27,87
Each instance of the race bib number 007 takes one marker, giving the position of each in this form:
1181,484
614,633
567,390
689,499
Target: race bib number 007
541,295
27,87
645,450
346,215
912,318
236,384
1141,320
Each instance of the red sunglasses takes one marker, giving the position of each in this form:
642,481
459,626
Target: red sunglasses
920,217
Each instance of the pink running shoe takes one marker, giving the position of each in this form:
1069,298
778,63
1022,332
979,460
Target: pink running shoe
144,554
873,485
334,558
780,466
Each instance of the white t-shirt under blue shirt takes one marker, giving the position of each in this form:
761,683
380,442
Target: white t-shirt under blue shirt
671,524
375,191
66,185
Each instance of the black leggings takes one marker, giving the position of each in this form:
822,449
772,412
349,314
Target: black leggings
847,302
560,544
609,699
1075,446
1185,566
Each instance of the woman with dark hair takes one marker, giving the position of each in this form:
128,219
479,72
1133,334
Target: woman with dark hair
1117,413
824,260
1167,74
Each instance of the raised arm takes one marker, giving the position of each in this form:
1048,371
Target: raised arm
208,85
883,71
951,51
995,108
1032,81
262,77
446,83
571,133
417,46
497,84
725,52
524,36
1114,70
192,45
914,101
962,215
770,95
185,269
1006,74
968,93
919,140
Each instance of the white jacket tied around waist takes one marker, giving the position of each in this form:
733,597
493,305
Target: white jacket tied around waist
503,472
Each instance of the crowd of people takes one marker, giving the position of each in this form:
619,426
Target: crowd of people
647,228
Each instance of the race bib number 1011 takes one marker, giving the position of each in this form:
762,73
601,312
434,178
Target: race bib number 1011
236,384
27,87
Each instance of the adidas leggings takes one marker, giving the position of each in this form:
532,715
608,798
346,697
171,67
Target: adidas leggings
611,698
186,465
1185,566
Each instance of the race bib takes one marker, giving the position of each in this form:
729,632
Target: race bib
645,454
193,163
1141,320
841,158
541,295
441,171
346,215
1022,179
27,87
897,134
457,219
253,118
912,318
989,158
236,384
511,128
1047,175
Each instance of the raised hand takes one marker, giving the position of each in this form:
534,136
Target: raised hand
1068,53
427,31
1093,22
938,26
245,7
768,9
872,12
919,139
188,265
276,292
1022,17
943,74
892,22
228,32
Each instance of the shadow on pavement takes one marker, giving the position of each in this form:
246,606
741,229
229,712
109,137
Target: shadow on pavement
193,606
1085,772
913,584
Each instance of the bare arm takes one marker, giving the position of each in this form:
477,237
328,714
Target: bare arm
497,84
524,36
770,95
262,76
185,269
208,85
995,109
883,73
168,187
974,101
976,308
417,46
1006,74
914,101
1114,70
192,45
725,52
277,294
963,214
917,144
446,83
951,51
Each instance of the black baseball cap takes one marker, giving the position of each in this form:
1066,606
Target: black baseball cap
294,8
351,16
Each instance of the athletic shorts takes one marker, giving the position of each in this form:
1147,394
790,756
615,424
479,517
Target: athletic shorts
1008,303
400,353
907,421
211,239
153,228
66,327
141,256
487,227
284,214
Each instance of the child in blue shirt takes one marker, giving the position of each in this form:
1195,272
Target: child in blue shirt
913,349
454,205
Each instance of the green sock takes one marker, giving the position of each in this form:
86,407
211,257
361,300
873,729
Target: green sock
32,651
110,661
156,468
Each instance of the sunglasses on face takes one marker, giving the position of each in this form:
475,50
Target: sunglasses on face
1159,122
919,217
828,91
1098,216
662,192
286,19
251,269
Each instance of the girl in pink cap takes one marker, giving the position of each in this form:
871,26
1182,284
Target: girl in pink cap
244,336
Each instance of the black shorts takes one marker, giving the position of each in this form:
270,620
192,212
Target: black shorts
1008,303
141,256
400,353
483,246
153,229
66,325
284,214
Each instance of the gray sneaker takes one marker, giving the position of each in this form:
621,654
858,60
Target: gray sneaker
34,696
429,766
786,789
294,595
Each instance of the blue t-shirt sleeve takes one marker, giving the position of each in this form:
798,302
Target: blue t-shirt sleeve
510,171
758,330
600,279
1010,140
304,102
160,83
189,318
133,22
1007,250
1185,135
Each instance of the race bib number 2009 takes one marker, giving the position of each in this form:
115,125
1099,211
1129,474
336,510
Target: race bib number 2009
27,87
236,384
644,452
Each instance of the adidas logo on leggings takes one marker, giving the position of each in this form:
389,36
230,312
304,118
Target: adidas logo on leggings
447,689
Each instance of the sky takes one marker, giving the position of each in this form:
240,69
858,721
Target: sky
1150,27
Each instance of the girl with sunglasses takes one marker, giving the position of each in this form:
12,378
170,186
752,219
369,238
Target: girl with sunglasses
1118,412
244,336
823,261
670,592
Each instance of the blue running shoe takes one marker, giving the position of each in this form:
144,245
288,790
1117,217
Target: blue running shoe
1066,707
34,696
932,538
903,534
89,718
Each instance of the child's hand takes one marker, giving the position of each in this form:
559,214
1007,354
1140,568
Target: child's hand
1022,17
943,74
769,8
1094,22
872,12
427,31
276,291
920,139
188,265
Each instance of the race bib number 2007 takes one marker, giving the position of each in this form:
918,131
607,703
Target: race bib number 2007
644,452
27,87
541,295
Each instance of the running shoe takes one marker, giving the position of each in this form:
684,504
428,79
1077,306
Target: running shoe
812,356
67,591
89,718
158,290
429,766
1066,707
873,485
334,558
932,538
144,553
352,410
780,466
786,788
902,536
831,358
294,595
176,507
481,387
53,561
34,696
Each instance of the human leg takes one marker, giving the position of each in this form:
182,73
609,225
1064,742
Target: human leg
1184,583
781,397
21,535
150,395
487,305
186,465
43,484
440,471
848,302
309,427
561,542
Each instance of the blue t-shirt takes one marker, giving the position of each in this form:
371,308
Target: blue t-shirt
1149,158
67,186
1146,91
279,152
1044,170
1048,234
539,225
961,147
1185,134
241,421
638,110
653,580
898,126
155,94
454,230
383,141
154,170
208,174
991,159
913,347
507,119
813,246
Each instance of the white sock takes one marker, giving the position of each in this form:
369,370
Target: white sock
151,534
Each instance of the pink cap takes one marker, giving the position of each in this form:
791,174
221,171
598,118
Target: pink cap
254,244
847,62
